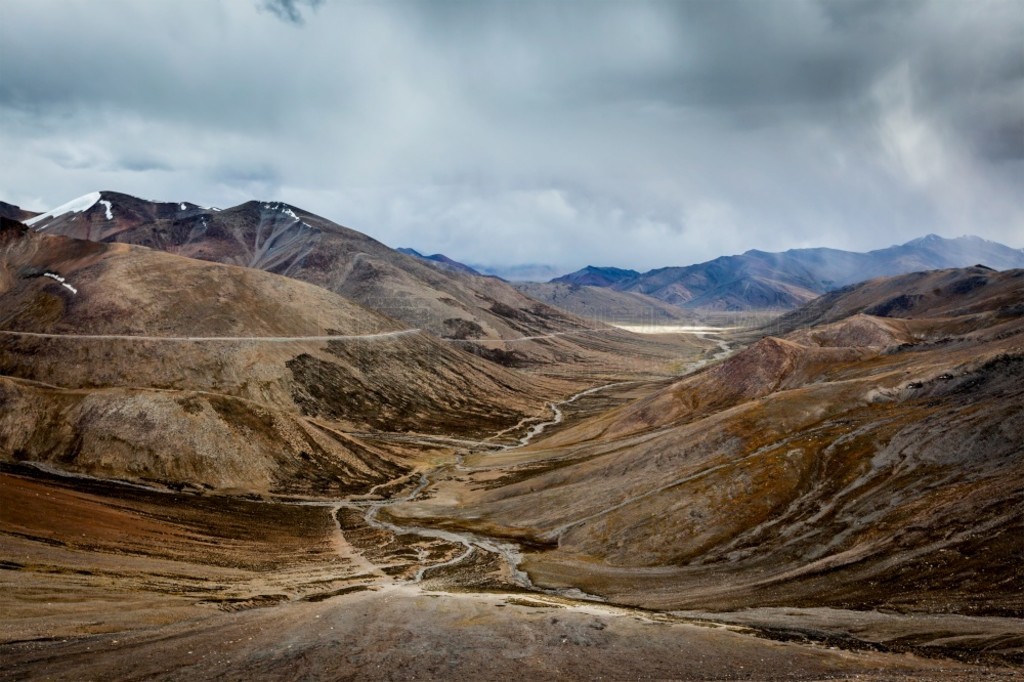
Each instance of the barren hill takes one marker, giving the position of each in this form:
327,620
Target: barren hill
484,315
125,362
868,462
937,293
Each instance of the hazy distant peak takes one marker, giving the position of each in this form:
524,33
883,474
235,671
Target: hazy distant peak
608,270
934,239
439,259
760,279
594,275
523,272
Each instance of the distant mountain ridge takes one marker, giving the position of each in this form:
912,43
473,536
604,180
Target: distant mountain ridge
287,240
524,272
758,279
453,299
599,277
440,260
482,315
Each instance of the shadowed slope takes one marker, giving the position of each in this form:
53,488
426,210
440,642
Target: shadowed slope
935,294
15,212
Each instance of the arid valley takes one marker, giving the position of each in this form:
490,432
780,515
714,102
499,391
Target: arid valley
220,471
512,340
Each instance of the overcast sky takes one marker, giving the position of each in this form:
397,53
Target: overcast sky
610,132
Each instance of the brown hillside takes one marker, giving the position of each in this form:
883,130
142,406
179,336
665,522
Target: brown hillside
851,476
126,368
483,315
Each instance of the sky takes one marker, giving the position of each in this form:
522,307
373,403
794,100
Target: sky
607,132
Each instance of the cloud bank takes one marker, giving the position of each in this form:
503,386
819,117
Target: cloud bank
637,134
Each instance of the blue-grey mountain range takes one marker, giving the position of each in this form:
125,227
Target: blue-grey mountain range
757,279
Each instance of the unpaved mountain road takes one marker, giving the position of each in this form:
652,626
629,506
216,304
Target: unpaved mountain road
200,339
286,339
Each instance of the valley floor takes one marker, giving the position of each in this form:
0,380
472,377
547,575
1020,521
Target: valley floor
106,580
137,584
400,632
102,580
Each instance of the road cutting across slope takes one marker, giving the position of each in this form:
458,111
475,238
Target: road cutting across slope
229,339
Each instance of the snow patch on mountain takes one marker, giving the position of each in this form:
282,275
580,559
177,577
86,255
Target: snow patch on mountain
82,203
63,283
107,205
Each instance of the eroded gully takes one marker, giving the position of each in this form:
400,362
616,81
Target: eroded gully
509,552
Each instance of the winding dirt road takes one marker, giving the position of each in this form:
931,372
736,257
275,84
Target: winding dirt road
200,339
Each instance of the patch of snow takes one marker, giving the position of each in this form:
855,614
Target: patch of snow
107,205
54,275
82,203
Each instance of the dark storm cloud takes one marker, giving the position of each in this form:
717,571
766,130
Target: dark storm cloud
289,10
630,133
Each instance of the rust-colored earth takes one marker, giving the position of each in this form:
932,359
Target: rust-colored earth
841,498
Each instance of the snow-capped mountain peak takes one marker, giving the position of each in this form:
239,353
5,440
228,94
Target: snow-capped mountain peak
82,203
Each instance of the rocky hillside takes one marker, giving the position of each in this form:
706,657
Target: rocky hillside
938,293
484,315
867,461
125,362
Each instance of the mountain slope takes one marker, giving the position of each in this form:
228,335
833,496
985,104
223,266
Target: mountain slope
938,293
440,260
868,462
605,304
15,212
483,314
757,279
121,361
599,277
